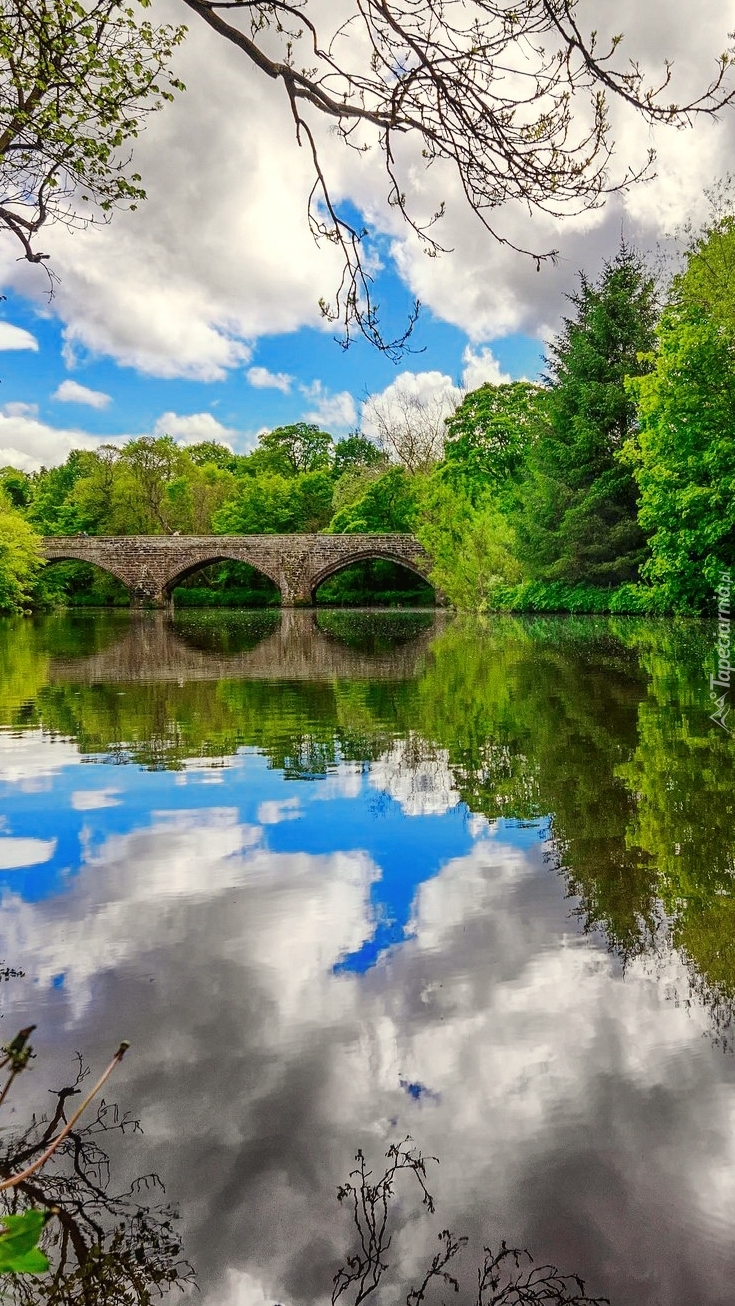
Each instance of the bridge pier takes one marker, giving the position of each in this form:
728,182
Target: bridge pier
145,595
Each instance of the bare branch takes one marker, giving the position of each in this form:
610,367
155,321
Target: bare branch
514,99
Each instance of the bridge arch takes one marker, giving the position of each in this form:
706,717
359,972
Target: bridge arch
211,560
109,569
337,565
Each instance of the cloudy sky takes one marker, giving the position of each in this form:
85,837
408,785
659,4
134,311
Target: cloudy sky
198,314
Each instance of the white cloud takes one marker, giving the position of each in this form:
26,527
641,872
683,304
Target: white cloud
262,379
297,906
28,443
331,412
18,409
17,852
190,428
14,337
564,1094
219,253
70,392
481,366
421,398
90,800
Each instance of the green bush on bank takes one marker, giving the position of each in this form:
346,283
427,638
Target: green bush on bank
200,596
558,596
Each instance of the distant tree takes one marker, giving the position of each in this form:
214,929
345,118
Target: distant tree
355,453
290,450
576,517
470,542
490,433
152,463
314,500
409,427
17,486
513,99
51,510
389,504
707,278
76,81
272,504
211,452
195,495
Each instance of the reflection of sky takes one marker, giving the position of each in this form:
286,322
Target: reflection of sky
229,923
60,814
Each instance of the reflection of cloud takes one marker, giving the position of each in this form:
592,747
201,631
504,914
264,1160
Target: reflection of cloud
88,800
138,885
273,812
31,759
17,852
564,1094
343,781
423,785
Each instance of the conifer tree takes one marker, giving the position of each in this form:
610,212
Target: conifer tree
576,516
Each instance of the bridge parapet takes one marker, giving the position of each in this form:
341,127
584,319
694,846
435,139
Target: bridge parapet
151,566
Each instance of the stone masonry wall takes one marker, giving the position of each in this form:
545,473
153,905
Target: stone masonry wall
151,566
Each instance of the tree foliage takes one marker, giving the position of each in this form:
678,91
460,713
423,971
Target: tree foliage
576,515
355,453
291,450
388,504
21,559
76,81
684,456
409,426
272,504
470,541
491,432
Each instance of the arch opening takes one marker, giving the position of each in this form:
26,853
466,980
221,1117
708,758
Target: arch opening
70,583
223,583
373,581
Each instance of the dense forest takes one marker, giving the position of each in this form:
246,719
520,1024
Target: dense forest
607,487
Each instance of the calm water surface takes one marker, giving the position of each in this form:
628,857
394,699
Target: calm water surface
342,878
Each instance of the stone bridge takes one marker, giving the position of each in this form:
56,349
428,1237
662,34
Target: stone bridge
151,566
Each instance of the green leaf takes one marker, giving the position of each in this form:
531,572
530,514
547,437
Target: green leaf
19,1253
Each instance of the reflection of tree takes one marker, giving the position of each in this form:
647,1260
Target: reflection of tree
599,725
506,1277
104,1246
682,770
372,632
224,631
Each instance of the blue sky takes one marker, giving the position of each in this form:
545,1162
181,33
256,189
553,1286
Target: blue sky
137,400
198,314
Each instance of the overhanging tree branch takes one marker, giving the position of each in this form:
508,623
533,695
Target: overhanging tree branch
515,99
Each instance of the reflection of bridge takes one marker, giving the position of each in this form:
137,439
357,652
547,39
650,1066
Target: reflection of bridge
152,650
151,566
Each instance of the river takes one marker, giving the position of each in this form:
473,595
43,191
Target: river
348,878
